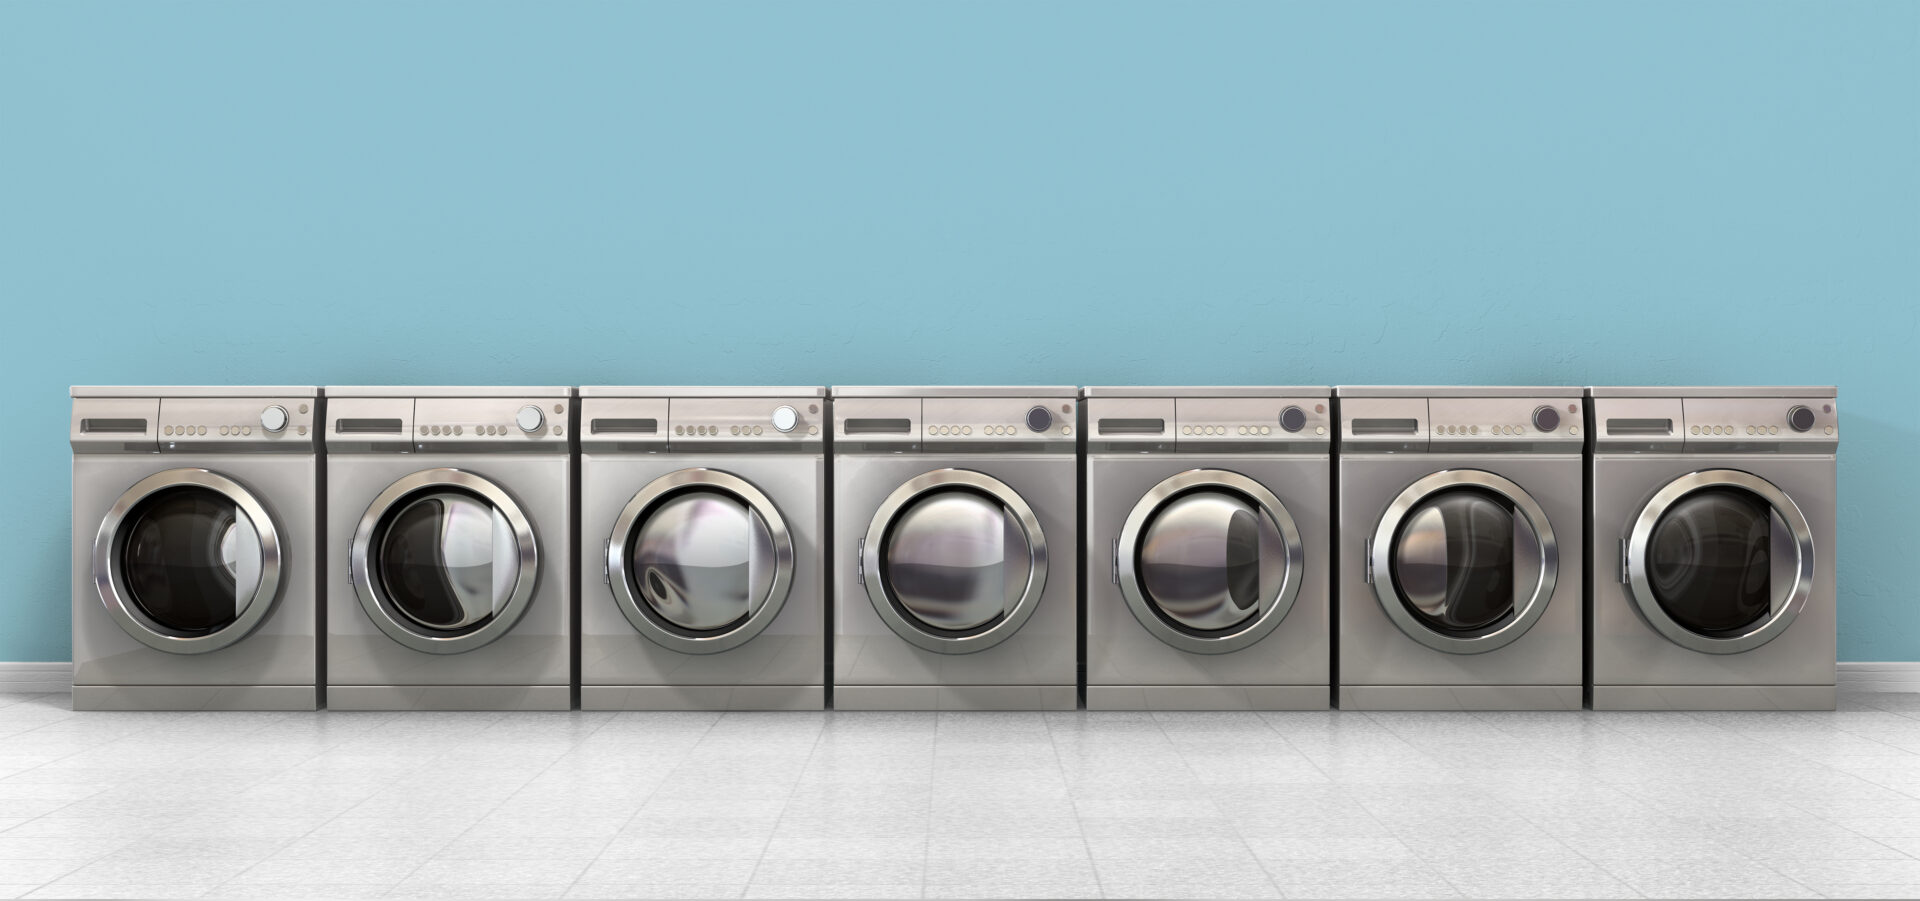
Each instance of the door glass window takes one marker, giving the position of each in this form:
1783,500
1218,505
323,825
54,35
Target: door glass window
447,560
956,560
1710,559
702,560
1453,560
1206,558
190,559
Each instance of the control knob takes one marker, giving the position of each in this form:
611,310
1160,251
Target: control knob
273,418
785,417
530,419
1800,419
1293,419
1039,419
1545,418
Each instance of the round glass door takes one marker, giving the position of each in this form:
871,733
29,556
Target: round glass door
700,561
1720,561
1464,561
444,561
1209,561
954,561
187,561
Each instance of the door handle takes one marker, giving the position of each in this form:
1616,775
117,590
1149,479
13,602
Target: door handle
860,562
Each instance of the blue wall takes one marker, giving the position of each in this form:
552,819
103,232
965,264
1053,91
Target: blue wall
1077,192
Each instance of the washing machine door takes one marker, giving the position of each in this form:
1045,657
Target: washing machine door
954,561
1720,561
444,561
187,561
1463,561
700,561
1209,561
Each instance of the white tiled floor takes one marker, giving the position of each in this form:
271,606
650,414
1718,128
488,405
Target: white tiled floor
1337,804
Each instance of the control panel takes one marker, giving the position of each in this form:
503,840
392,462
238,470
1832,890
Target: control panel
956,421
232,424
506,424
1493,423
1731,424
487,419
1120,417
611,422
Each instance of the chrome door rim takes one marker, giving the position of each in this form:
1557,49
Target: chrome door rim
1143,607
110,583
1388,593
1641,590
635,608
873,548
380,610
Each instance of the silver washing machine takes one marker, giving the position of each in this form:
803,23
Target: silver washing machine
954,515
448,513
703,525
1208,535
1461,534
1713,548
195,538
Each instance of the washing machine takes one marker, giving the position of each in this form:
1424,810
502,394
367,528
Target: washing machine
1713,548
702,515
195,546
1208,536
448,519
1461,527
954,526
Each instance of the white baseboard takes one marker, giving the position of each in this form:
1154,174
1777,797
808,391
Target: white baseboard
1880,676
36,678
52,676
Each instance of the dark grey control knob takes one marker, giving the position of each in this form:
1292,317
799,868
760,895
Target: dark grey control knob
1546,419
1293,419
1039,419
1800,419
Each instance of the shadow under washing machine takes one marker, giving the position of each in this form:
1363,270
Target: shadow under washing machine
954,522
1461,536
1208,534
702,513
448,519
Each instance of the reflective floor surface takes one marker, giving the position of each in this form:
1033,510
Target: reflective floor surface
591,805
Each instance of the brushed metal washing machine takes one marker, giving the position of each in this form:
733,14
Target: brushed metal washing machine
1461,536
1208,537
1713,548
954,520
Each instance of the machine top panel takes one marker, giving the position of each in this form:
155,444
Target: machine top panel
1544,423
967,423
1263,423
1204,391
702,391
650,424
250,424
444,391
529,423
1745,423
1826,391
194,391
1453,391
955,391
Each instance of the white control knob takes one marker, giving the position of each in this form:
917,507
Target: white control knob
530,419
785,418
273,418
